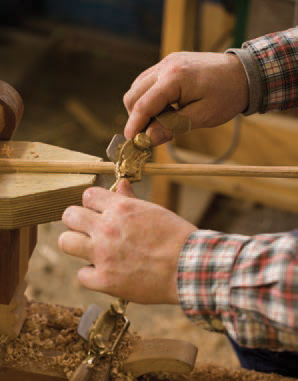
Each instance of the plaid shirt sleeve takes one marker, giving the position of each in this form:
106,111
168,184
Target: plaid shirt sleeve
245,286
276,56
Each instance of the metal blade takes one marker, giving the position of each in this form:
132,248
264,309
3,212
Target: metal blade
88,319
114,147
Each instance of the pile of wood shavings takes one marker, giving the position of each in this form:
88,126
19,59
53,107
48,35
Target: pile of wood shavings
49,338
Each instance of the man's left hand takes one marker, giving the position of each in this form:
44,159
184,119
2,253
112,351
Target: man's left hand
132,244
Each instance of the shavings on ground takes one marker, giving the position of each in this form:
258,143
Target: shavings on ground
49,340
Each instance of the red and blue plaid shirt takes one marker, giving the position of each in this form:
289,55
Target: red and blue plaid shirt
248,286
276,56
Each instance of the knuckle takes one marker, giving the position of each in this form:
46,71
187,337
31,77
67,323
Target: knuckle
111,231
127,100
176,71
141,107
124,206
170,57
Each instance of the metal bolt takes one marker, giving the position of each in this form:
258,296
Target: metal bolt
142,141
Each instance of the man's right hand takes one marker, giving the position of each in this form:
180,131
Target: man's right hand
209,88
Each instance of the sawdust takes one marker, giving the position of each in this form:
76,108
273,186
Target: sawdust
49,341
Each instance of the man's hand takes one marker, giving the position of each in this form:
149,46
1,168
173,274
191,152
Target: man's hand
133,245
210,89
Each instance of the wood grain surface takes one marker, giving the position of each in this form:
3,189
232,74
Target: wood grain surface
30,199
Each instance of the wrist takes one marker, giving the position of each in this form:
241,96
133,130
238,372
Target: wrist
240,82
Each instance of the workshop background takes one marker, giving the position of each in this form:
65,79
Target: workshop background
72,61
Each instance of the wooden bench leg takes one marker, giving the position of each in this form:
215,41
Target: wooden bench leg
16,248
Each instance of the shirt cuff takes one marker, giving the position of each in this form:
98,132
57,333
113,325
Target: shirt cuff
204,271
253,77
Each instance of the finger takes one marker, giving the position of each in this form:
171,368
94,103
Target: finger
137,90
152,103
76,244
125,188
88,277
79,219
99,199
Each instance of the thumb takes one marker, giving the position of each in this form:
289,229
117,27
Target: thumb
125,188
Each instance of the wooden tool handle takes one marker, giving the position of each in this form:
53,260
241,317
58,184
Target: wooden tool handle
82,373
11,110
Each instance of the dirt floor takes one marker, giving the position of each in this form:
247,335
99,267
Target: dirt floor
98,79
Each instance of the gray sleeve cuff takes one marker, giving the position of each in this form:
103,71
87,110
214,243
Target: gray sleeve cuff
253,77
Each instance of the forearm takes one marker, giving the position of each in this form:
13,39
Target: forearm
249,284
270,63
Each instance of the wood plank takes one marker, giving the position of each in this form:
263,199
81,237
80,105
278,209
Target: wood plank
31,199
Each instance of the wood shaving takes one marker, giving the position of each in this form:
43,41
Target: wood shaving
49,340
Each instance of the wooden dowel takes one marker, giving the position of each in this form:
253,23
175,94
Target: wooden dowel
100,167
93,167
